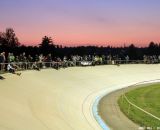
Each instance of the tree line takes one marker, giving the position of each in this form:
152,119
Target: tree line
9,43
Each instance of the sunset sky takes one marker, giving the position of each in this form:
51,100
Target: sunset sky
83,22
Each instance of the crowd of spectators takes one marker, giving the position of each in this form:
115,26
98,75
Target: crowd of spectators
151,59
23,61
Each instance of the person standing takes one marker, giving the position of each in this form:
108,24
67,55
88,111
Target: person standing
2,61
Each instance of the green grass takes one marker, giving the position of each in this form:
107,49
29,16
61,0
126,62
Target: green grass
147,98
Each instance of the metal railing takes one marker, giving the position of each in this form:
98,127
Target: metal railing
63,64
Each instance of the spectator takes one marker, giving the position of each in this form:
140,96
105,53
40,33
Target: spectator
48,59
35,67
40,62
30,60
12,68
11,58
65,62
2,60
127,59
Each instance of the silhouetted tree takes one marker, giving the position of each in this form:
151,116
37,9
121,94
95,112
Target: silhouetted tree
47,45
1,38
46,41
9,39
132,52
153,49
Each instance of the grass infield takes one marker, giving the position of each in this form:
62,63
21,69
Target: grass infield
147,98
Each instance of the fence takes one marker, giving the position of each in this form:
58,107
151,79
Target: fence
29,65
42,65
132,104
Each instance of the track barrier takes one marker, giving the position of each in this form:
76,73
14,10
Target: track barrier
19,66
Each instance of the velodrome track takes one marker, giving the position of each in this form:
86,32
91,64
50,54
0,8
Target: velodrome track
63,99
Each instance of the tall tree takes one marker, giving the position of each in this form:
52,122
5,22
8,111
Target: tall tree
1,39
47,45
9,38
153,49
46,42
132,52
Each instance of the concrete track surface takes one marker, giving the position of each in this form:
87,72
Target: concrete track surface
63,99
111,113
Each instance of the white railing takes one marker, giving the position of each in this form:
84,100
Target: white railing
132,104
57,65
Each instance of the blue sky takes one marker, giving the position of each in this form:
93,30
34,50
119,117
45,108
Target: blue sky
83,21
